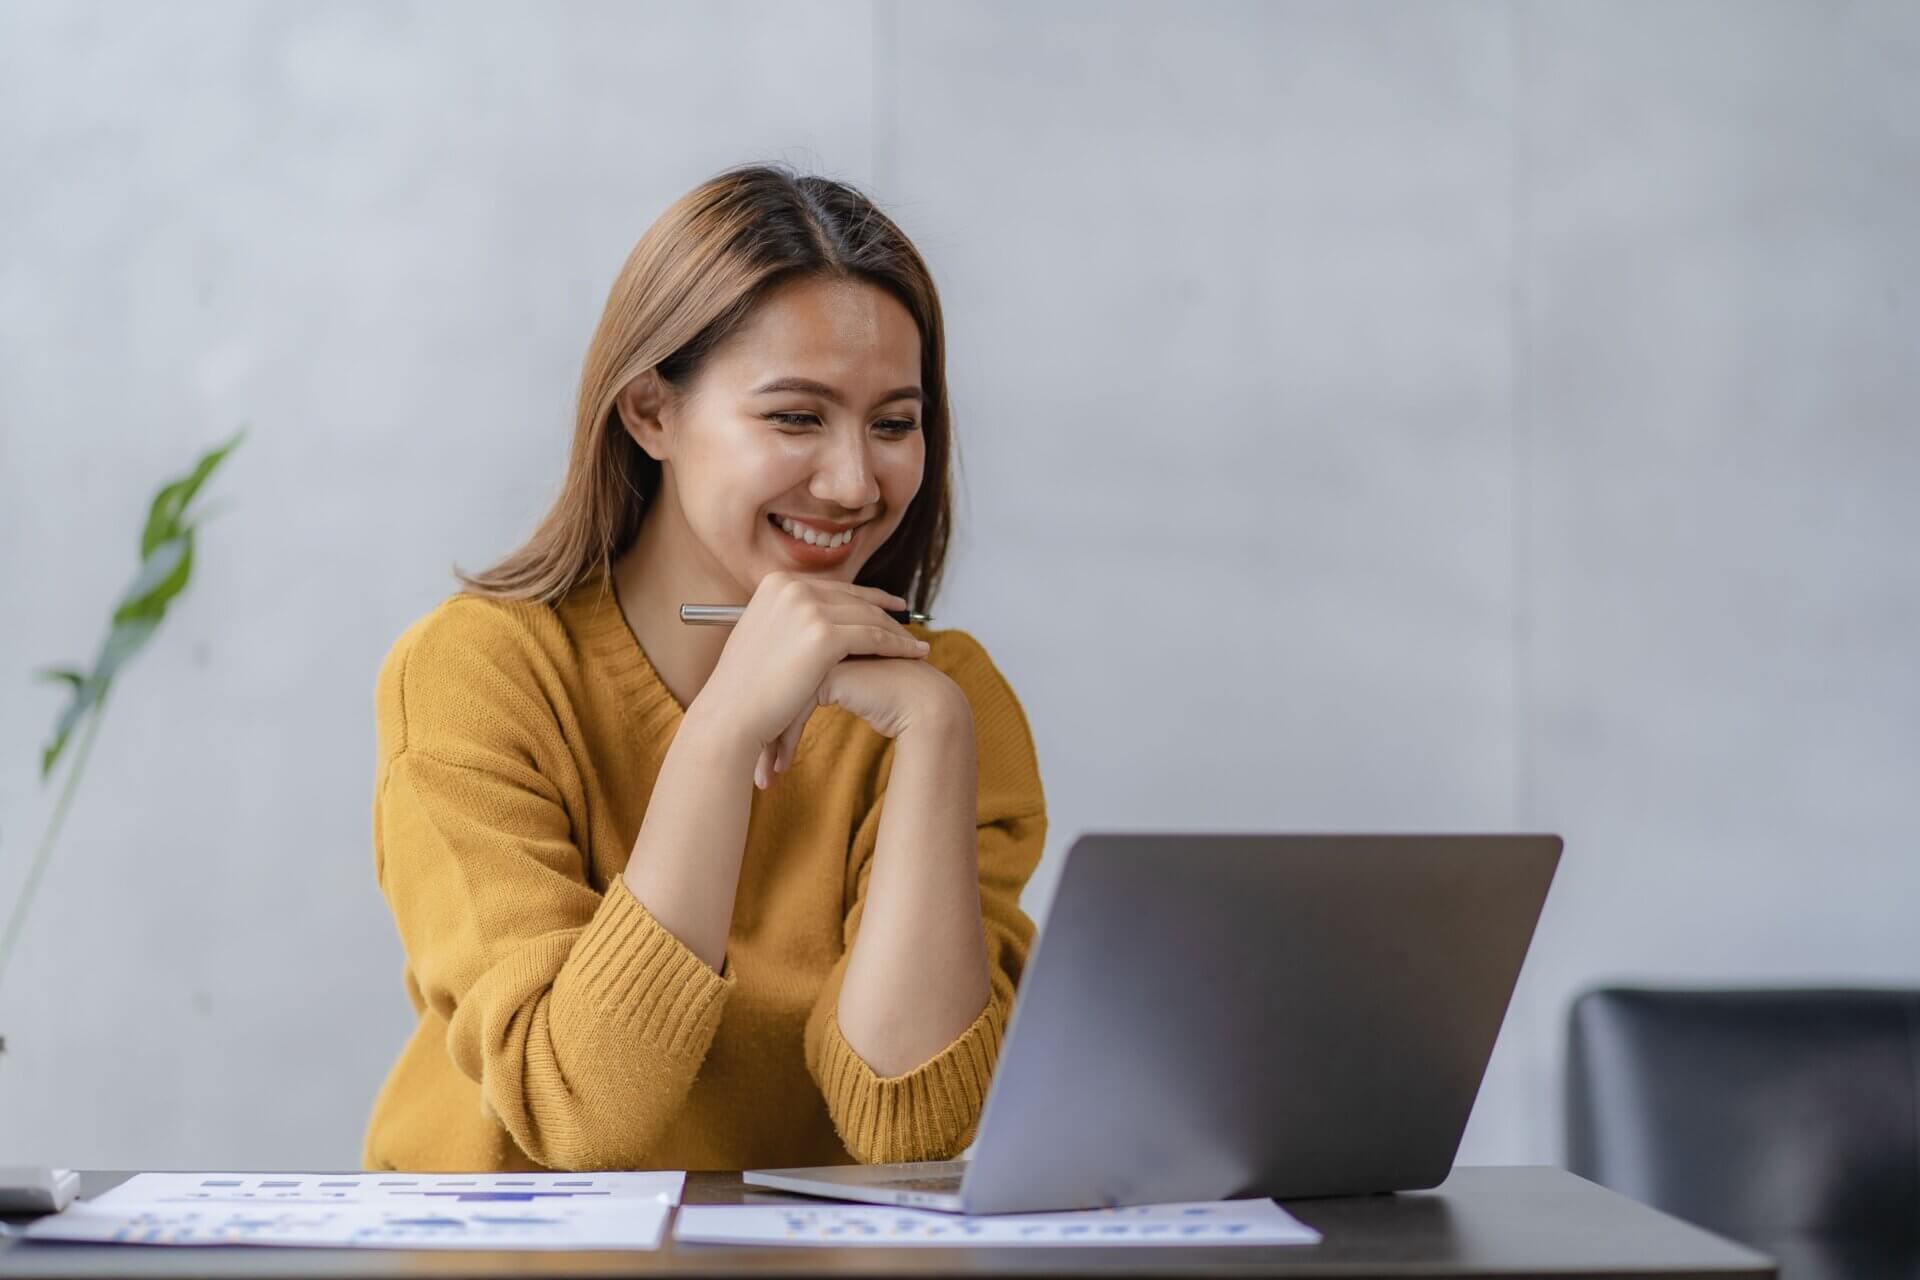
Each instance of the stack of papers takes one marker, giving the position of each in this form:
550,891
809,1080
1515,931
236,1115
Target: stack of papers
1199,1223
594,1211
407,1211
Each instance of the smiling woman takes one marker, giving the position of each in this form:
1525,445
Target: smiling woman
779,470
696,897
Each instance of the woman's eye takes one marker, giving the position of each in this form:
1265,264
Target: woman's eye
892,426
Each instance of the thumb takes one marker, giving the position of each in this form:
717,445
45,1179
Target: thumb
789,741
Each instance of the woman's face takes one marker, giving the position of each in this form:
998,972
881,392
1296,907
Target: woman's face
805,422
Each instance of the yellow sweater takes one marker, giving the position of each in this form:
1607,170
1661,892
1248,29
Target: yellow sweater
561,1026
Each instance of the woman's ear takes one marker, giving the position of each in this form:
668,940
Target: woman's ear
641,404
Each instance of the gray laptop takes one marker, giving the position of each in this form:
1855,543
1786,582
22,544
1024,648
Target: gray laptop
1208,1017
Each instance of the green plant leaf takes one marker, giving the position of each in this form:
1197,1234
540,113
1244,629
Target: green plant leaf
82,699
123,641
85,695
166,566
163,517
162,576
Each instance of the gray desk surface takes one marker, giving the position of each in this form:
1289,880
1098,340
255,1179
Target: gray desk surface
1509,1222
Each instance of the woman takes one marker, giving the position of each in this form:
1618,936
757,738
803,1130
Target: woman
695,897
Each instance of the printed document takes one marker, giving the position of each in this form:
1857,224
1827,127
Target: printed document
1199,1223
377,1210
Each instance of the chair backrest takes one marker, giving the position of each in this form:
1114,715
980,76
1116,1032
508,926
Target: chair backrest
1761,1114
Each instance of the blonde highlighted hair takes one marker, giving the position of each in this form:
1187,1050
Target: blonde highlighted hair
691,281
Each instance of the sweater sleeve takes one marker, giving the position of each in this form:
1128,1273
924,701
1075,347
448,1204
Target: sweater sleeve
581,1017
933,1111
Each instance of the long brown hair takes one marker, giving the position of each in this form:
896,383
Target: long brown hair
693,278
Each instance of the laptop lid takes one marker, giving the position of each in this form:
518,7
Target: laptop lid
1221,1015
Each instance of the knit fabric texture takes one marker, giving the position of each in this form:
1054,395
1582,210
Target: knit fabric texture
560,1026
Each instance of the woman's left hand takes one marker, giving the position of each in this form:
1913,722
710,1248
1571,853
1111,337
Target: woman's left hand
891,694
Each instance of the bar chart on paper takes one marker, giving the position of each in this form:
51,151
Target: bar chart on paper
454,1211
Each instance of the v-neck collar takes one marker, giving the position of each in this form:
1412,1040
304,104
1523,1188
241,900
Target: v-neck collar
593,609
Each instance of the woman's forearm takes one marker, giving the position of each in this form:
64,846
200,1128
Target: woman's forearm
918,974
685,866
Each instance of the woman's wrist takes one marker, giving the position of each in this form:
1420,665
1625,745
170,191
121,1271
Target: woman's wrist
944,722
710,733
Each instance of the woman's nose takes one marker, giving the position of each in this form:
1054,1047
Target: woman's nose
847,478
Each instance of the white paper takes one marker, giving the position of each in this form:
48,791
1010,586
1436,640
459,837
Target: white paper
368,1188
412,1211
1233,1222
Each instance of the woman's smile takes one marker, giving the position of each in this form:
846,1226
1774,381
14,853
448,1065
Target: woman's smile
811,546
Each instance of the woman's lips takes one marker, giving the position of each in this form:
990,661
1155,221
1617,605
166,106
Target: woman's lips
810,555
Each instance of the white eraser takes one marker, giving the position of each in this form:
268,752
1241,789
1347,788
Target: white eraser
36,1190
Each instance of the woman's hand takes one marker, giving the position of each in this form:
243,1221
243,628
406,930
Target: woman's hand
793,632
891,694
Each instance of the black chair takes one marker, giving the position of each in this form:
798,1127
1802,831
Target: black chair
1785,1119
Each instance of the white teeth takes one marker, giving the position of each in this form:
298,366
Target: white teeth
813,537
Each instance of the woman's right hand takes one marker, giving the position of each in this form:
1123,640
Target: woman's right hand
792,632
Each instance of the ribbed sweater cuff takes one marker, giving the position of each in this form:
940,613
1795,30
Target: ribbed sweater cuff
630,973
930,1113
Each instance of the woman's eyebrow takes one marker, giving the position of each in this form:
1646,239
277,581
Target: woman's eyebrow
809,387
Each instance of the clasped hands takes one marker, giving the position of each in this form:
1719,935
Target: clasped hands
803,643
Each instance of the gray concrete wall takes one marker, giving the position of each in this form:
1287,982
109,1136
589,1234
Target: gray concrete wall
1535,386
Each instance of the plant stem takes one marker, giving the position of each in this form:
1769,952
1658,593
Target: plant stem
18,919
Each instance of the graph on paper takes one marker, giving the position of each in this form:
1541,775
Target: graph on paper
459,1211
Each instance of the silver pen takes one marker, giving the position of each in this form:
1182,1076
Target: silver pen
725,615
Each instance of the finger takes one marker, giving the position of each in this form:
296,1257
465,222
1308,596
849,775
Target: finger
887,642
864,615
882,598
789,741
777,749
760,770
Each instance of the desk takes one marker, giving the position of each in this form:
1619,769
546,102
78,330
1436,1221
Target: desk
1507,1222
